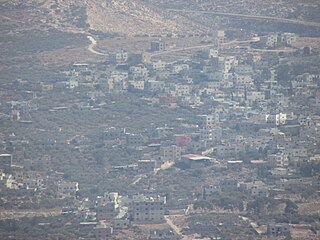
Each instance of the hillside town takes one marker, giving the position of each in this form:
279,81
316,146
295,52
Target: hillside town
216,140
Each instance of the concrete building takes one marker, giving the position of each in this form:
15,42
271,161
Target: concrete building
106,211
207,121
139,85
279,229
159,66
157,46
210,134
146,209
69,188
103,232
227,185
170,153
134,139
277,119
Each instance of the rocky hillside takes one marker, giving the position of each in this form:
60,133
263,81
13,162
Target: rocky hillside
134,17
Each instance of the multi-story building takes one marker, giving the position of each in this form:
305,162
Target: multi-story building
207,121
228,185
106,211
170,153
103,232
134,139
147,209
210,134
69,188
277,119
158,46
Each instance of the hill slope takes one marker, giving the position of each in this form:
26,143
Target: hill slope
120,16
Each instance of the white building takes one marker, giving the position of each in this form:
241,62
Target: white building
277,119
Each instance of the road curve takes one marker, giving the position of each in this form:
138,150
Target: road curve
92,45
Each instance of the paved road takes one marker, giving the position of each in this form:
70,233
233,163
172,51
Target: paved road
255,39
92,46
285,20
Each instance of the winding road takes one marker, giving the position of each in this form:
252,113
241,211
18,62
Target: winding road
92,46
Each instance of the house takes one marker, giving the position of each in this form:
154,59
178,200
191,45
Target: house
228,63
146,209
68,188
182,89
214,133
159,66
280,229
207,121
260,191
134,139
155,86
157,46
227,185
34,183
106,211
272,40
139,72
122,220
209,190
213,53
277,119
179,68
170,153
278,160
139,85
108,197
103,232
288,38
